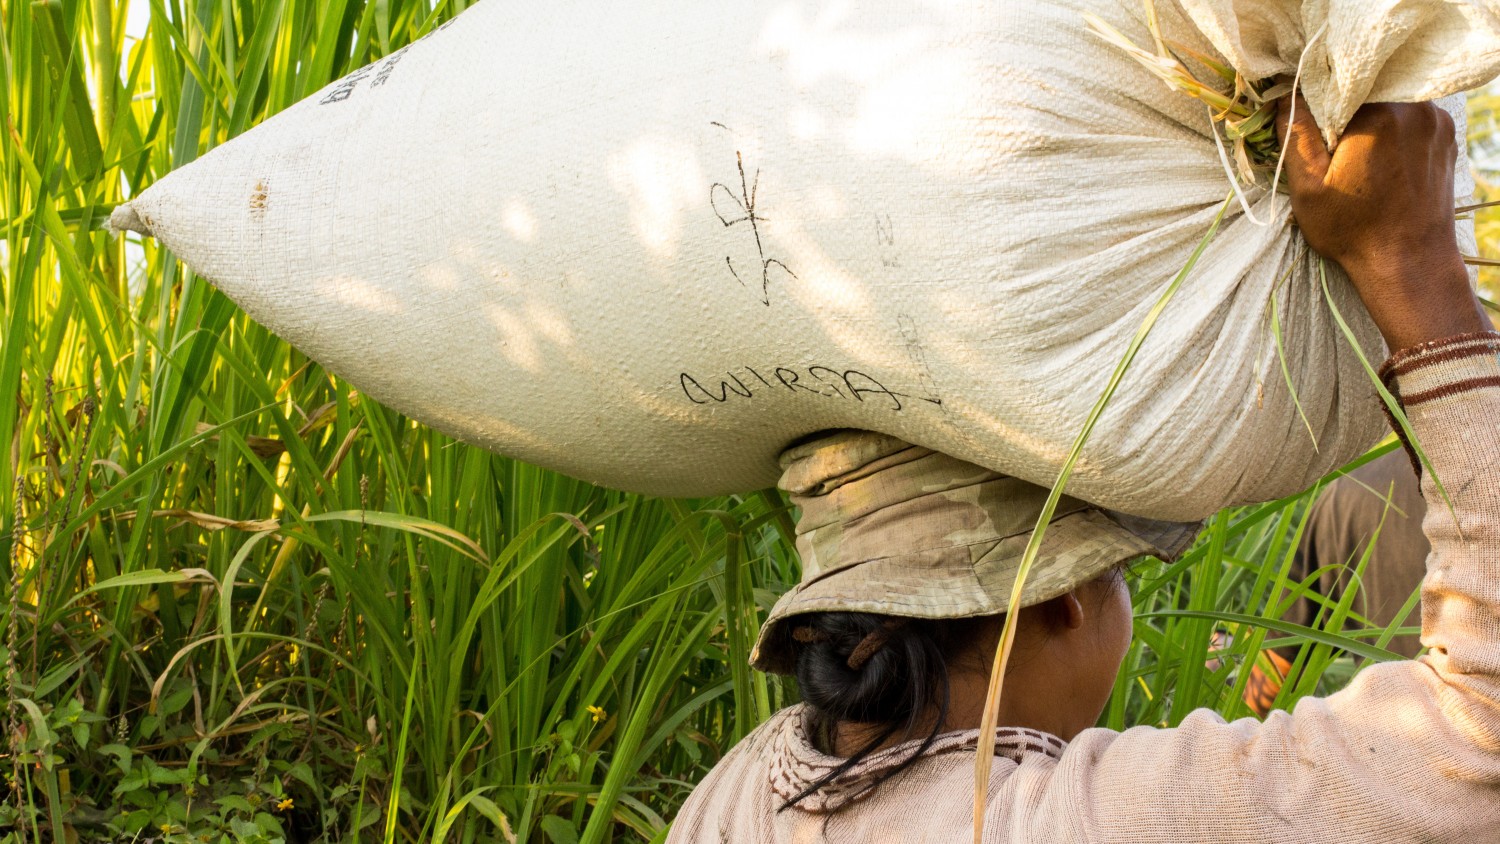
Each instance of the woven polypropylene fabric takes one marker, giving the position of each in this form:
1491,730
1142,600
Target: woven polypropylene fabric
650,244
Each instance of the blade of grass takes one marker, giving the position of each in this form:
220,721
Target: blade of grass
1394,407
984,757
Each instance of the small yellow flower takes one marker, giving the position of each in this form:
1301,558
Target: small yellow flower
283,804
598,713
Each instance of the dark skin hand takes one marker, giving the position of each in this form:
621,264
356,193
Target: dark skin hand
1381,206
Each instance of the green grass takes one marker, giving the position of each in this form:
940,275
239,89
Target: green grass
245,602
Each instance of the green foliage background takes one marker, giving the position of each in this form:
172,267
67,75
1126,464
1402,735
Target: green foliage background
244,603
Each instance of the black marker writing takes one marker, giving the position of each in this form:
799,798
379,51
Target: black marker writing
382,70
915,352
743,210
823,381
885,235
346,87
387,66
708,395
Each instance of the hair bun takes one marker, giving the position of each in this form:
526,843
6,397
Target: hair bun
872,642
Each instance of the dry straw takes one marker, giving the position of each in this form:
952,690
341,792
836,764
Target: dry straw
1246,113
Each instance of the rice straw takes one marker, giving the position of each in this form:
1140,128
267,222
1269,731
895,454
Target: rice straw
1280,156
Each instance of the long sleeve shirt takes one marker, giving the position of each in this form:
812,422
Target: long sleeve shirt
1408,752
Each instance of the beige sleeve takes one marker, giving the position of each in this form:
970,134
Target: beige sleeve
1409,752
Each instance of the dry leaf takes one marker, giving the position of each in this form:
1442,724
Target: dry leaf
208,521
262,447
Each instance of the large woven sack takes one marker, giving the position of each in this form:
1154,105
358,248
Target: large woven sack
651,243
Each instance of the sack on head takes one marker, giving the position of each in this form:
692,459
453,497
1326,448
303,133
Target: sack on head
650,244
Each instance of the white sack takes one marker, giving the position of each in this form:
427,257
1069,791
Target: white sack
651,243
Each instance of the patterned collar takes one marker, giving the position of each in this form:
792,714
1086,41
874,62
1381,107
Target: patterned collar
796,763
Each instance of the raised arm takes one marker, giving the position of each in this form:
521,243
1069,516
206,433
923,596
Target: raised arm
1410,751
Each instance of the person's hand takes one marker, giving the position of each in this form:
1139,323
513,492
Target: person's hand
1381,206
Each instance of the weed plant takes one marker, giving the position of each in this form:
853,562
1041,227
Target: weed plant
242,602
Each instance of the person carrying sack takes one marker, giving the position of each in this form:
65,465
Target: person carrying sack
909,556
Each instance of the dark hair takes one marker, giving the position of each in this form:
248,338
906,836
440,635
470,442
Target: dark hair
876,669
